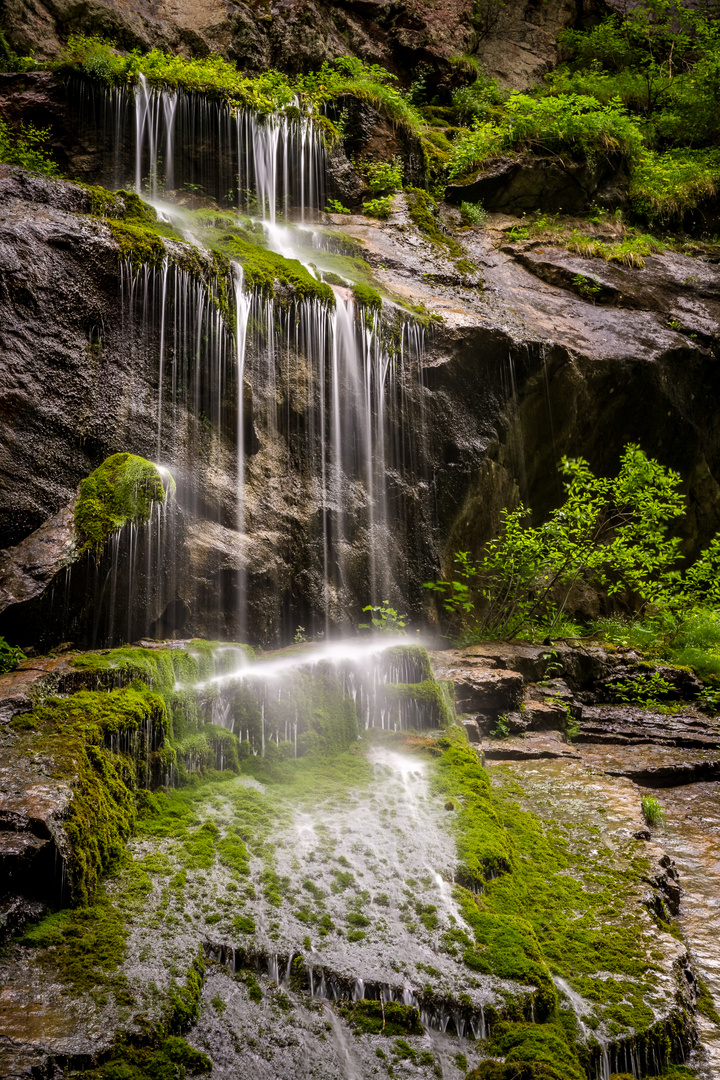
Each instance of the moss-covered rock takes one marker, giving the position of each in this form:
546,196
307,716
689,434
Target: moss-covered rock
366,296
120,490
268,273
102,745
425,704
543,1046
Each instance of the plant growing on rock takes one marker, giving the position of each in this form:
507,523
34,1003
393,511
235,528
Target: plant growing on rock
577,123
379,208
587,287
384,177
384,618
10,656
652,811
645,689
26,148
473,213
501,729
611,532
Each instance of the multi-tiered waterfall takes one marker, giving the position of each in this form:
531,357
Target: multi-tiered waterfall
270,409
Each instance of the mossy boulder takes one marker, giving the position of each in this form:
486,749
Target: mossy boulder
424,704
121,490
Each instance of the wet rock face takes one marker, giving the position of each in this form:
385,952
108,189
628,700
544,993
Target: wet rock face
515,42
509,364
293,36
479,689
676,746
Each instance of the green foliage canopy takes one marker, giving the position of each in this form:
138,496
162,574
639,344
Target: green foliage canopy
612,532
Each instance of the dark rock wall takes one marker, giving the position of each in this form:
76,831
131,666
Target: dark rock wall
80,381
514,40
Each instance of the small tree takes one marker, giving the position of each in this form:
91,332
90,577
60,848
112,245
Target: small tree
611,532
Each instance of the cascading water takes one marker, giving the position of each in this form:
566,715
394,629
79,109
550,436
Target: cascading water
301,388
164,141
316,409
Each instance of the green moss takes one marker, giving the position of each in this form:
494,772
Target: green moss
253,986
184,1001
366,296
531,1051
506,946
161,1054
429,696
269,273
422,209
138,244
388,1018
199,847
120,490
705,1003
243,924
120,205
540,907
483,844
84,946
234,854
72,735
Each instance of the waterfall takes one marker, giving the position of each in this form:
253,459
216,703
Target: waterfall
164,140
308,383
312,411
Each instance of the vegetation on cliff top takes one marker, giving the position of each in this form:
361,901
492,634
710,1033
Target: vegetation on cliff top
120,490
640,86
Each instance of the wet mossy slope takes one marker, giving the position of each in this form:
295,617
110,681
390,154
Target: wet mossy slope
292,874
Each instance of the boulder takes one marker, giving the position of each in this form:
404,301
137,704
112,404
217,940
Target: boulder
520,184
478,689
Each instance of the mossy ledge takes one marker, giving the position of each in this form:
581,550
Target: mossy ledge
102,746
121,490
540,910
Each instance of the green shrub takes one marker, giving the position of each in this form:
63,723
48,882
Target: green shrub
575,123
612,532
379,208
26,149
384,619
645,689
10,61
212,75
667,185
476,101
10,656
371,83
384,177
